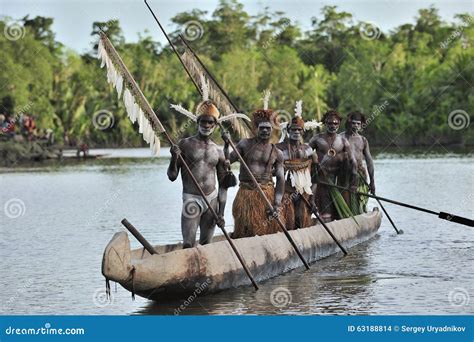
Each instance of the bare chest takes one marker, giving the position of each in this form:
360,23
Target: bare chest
201,153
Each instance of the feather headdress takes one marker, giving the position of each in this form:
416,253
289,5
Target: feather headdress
298,120
137,107
215,93
266,98
207,107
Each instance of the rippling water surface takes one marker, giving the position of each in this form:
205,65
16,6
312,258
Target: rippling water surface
51,253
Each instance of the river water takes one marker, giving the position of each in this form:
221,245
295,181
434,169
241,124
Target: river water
56,220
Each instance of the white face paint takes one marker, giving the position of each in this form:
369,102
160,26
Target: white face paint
264,130
206,125
295,133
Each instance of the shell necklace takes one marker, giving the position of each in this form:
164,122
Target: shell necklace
332,151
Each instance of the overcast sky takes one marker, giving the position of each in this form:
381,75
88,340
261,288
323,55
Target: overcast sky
73,19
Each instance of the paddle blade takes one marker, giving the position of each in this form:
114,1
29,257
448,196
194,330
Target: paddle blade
457,219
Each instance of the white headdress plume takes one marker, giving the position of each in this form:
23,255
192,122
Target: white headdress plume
205,97
299,108
183,111
233,116
266,98
311,125
204,88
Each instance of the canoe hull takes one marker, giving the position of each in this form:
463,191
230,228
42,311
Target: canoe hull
177,273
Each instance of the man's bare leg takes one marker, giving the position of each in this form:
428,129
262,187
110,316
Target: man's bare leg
207,224
189,227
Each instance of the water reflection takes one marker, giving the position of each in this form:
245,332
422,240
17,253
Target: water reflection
52,254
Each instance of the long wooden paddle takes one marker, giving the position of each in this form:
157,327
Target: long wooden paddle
442,215
241,159
315,212
381,206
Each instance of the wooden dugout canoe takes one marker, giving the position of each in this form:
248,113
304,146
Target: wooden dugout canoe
177,273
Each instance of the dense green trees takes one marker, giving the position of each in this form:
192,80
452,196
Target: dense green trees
407,81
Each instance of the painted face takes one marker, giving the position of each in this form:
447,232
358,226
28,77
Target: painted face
332,125
295,133
356,125
206,125
264,130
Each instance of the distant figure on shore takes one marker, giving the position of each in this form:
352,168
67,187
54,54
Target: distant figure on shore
82,148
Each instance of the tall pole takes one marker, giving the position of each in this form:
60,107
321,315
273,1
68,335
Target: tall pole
239,156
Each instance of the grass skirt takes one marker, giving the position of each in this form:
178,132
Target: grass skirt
291,207
250,212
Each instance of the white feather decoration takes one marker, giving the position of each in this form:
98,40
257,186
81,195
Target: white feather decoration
183,111
135,111
313,124
141,120
233,116
204,88
283,130
128,101
299,108
266,98
120,78
119,85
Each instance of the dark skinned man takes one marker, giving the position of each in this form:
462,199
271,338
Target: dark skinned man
334,152
251,216
206,161
365,165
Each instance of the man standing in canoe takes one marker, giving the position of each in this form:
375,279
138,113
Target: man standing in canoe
360,150
250,213
206,161
298,159
334,153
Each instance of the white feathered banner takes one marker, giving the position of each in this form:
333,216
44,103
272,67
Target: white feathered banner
213,91
137,106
